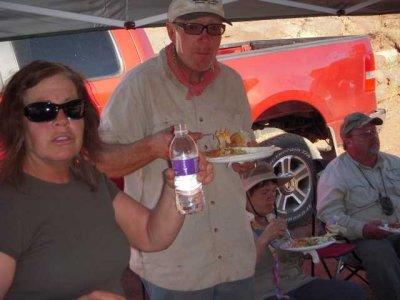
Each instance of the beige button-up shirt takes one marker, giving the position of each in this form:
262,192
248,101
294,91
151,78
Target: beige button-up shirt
344,191
215,245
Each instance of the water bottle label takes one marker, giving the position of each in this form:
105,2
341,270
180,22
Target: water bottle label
183,167
186,183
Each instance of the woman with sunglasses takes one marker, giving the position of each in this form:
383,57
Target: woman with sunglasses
65,229
279,273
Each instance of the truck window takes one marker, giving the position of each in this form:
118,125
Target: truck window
91,53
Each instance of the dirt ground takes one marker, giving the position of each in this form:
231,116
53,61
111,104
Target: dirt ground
384,32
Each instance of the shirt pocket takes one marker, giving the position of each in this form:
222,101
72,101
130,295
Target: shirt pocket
361,196
232,121
392,181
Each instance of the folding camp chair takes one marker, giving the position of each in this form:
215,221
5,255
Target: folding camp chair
347,259
337,251
343,252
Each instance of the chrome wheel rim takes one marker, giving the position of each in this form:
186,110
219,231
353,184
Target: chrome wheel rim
292,196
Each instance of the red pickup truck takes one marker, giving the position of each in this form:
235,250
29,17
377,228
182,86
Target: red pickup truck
299,90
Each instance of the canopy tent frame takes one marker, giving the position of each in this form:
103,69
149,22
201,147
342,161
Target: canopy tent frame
150,20
316,8
86,18
359,6
36,19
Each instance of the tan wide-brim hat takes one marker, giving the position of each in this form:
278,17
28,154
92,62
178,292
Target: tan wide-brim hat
262,173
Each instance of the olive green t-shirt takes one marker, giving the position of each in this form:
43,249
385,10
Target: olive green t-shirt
64,238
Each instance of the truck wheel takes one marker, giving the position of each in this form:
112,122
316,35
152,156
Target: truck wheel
295,198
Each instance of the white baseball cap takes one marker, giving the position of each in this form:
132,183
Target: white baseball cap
178,8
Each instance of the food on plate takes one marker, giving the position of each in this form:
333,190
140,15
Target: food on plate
308,241
392,227
226,139
225,152
239,139
303,242
213,153
395,225
229,144
223,137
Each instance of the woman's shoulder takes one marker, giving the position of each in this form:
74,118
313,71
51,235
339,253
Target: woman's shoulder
11,198
105,184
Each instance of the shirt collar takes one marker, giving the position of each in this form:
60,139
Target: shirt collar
183,77
378,164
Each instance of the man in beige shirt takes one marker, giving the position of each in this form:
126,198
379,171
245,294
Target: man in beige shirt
360,190
213,256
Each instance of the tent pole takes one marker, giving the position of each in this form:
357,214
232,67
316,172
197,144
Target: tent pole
61,14
85,18
303,6
359,6
150,20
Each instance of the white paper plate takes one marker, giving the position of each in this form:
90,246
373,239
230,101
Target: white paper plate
252,153
390,229
286,246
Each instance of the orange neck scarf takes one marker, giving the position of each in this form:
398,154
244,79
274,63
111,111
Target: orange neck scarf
194,89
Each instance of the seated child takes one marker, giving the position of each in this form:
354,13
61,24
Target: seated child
290,281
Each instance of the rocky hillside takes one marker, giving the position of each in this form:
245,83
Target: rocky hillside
384,32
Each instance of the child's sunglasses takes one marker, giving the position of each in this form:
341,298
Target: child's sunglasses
47,111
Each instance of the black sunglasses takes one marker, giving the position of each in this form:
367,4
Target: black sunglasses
47,111
197,28
367,133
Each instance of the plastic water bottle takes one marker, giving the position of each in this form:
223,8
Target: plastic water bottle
184,156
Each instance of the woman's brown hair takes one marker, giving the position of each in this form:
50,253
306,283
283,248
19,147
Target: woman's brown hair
12,143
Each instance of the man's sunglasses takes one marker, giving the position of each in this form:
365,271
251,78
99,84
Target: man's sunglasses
196,28
367,133
47,111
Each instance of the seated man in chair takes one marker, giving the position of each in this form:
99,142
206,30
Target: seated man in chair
360,189
288,279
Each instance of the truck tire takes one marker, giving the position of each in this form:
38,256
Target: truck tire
294,199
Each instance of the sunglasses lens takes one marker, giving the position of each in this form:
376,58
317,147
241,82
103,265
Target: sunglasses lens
40,112
192,28
74,109
47,111
216,29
